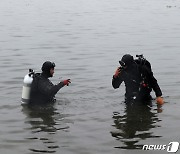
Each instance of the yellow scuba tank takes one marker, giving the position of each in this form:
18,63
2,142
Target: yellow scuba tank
27,87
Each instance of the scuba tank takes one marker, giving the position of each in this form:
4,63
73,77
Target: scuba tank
27,87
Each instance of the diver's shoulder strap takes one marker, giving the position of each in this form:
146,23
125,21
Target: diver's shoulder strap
143,63
37,75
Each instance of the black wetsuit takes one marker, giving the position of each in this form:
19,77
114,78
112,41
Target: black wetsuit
42,90
139,82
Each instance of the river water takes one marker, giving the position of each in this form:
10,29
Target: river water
86,39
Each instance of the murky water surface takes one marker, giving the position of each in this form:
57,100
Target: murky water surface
86,39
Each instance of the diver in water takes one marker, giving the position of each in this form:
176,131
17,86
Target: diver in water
138,78
42,89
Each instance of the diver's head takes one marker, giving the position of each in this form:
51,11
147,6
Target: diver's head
48,68
126,60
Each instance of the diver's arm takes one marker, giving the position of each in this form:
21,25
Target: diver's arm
153,82
117,79
156,87
47,88
116,82
158,92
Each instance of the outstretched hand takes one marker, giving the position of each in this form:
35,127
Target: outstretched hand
66,82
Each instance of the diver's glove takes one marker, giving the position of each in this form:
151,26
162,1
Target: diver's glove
66,82
117,72
159,100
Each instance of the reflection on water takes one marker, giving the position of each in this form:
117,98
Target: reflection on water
135,125
86,38
44,121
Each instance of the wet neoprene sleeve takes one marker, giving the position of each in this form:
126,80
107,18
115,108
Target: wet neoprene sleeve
155,86
153,82
46,87
116,82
